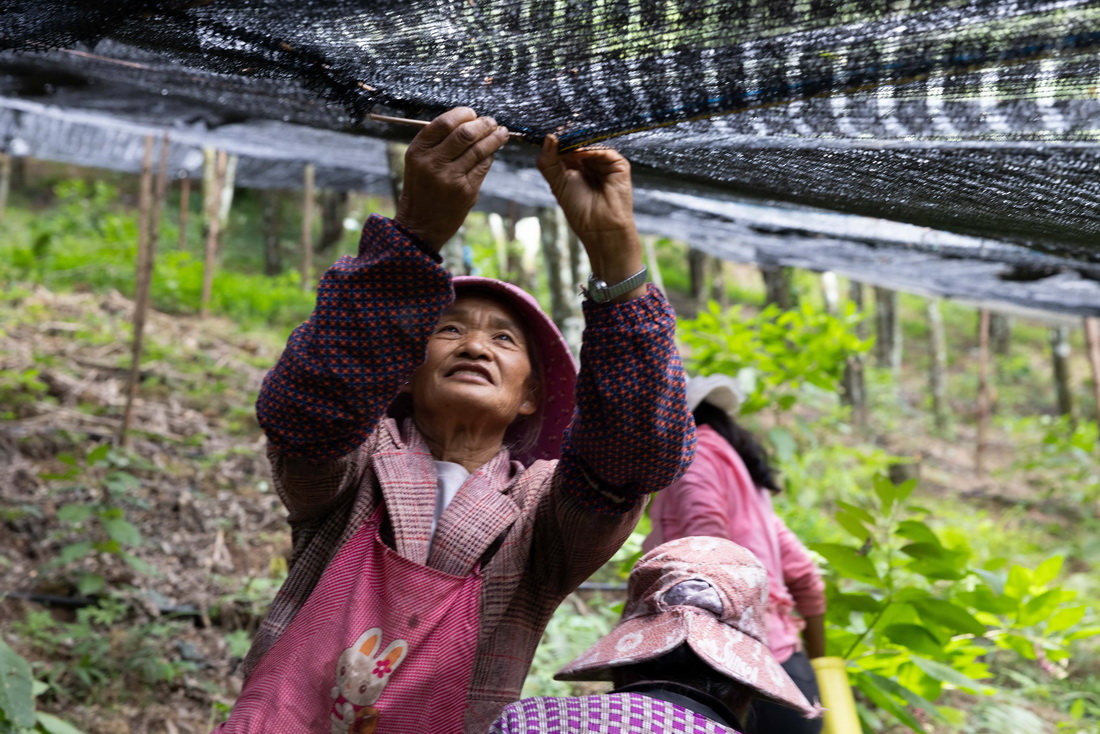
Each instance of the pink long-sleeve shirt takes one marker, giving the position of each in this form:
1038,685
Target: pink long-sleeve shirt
717,497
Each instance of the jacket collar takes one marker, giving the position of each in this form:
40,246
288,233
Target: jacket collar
480,513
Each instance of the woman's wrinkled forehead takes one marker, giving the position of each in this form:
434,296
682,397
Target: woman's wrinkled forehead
470,302
475,306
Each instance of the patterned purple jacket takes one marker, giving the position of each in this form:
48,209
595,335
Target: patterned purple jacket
615,713
334,454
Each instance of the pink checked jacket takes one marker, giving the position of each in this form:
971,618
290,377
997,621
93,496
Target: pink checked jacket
539,530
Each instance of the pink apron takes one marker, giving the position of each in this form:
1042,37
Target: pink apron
382,645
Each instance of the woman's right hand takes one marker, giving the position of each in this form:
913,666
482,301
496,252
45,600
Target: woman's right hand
445,166
593,188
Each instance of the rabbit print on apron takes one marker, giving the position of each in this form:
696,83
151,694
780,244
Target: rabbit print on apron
383,644
360,678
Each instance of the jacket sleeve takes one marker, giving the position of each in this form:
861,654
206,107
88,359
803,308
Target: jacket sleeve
343,367
695,504
632,433
800,573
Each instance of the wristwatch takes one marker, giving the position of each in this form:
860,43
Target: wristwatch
600,292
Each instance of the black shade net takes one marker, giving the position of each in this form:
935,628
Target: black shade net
979,118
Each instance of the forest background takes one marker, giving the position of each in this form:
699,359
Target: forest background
132,574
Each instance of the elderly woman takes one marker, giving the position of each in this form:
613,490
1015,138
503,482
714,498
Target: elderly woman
444,488
689,655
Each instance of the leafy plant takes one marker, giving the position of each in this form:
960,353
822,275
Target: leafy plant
18,691
102,649
19,391
98,519
915,616
774,353
1064,458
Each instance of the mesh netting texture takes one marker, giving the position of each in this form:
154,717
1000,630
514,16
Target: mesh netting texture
975,117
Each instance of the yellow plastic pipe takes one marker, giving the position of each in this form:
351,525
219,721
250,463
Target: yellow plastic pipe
836,696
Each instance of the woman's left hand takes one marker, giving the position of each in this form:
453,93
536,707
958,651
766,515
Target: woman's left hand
594,190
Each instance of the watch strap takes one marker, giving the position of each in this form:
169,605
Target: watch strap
600,292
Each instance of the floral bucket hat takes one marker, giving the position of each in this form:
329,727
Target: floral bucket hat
709,593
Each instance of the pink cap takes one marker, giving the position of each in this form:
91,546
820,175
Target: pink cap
710,593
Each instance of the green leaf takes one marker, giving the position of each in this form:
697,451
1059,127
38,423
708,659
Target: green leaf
1083,634
885,491
1040,607
1065,618
917,531
947,674
908,696
123,531
1019,582
852,524
857,602
137,564
120,482
98,454
926,551
1047,571
1022,645
903,490
74,551
870,688
847,562
91,583
859,512
783,442
914,637
53,725
985,600
74,514
16,688
949,615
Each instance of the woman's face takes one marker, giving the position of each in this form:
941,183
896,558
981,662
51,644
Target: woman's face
477,363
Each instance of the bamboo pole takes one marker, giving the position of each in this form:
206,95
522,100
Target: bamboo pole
149,208
983,390
213,205
185,206
307,228
1092,340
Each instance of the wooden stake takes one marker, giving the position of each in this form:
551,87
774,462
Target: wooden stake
649,241
1092,341
854,385
937,370
1059,348
213,204
983,390
148,229
697,270
185,206
5,182
307,229
270,229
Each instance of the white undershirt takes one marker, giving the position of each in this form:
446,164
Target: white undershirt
449,477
